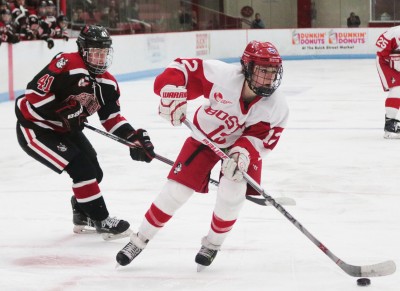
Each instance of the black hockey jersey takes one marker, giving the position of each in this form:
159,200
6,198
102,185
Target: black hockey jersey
65,78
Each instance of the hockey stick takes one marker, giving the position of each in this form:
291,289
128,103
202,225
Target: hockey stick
380,269
259,201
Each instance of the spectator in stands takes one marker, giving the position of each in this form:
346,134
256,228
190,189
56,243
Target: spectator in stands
33,27
20,22
61,30
353,20
22,6
213,23
41,10
110,15
7,31
133,9
89,6
185,18
4,5
51,9
77,16
257,22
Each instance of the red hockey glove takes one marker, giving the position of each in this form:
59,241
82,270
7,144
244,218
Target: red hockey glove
72,115
173,104
145,150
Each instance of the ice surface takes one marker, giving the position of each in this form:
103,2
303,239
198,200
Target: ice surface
332,159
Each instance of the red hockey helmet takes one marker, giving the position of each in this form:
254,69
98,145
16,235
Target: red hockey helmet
262,67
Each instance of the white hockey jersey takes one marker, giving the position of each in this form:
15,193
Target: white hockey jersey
225,118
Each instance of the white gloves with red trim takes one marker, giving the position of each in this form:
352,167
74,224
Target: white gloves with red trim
173,104
395,61
238,162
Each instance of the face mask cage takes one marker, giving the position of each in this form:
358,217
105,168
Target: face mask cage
97,60
262,80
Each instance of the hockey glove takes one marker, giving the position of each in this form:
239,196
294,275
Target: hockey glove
72,115
173,104
238,162
395,62
50,43
65,35
144,152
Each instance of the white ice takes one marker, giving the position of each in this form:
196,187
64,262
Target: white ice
332,159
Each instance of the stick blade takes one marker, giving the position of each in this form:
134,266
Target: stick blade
264,202
376,270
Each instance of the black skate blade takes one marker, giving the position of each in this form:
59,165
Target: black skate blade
110,236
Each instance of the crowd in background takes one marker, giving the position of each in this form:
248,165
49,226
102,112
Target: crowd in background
41,20
31,20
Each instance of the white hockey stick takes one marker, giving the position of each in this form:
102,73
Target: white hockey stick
380,269
259,201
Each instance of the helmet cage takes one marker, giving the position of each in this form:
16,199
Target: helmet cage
262,67
97,60
267,84
94,45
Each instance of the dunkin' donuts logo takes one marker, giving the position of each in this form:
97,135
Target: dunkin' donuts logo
337,37
304,38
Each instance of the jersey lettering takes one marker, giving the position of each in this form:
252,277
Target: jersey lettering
44,83
272,138
191,67
231,124
382,42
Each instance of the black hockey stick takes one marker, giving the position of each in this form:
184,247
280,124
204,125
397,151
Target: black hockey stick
380,269
259,201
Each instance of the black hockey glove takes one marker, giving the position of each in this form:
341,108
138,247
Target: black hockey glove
72,115
145,150
50,43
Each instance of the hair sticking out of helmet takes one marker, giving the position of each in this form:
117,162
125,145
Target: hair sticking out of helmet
94,45
262,67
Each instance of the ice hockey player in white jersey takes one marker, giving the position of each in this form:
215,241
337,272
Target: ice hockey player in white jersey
388,65
244,115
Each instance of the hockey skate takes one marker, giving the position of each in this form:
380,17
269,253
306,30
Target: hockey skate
206,255
111,228
131,250
82,223
392,129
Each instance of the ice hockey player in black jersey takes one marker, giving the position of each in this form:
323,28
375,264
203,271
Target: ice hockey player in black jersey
51,116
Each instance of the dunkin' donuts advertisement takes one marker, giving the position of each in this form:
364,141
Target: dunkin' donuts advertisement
330,41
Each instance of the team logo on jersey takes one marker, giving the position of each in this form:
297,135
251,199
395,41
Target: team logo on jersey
83,82
62,147
393,80
89,101
178,168
220,98
61,63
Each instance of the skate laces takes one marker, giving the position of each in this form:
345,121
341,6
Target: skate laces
131,250
111,222
206,252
